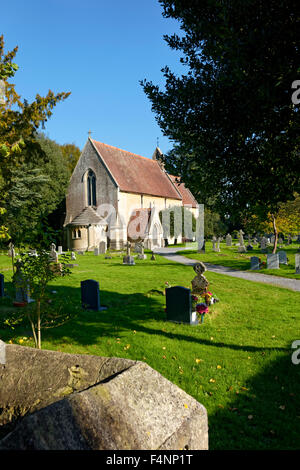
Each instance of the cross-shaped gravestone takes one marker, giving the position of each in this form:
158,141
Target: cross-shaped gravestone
128,259
254,262
179,305
90,295
273,261
142,255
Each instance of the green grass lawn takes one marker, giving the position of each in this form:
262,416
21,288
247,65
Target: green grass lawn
230,257
237,363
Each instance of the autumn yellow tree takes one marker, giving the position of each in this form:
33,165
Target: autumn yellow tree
287,217
19,121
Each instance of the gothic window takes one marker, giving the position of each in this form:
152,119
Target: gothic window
91,189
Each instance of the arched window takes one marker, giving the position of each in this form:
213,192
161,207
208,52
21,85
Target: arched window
91,189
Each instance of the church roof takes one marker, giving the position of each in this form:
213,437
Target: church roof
86,217
134,173
187,197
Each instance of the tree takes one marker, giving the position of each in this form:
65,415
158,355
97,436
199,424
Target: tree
177,221
234,126
34,188
35,273
19,121
71,154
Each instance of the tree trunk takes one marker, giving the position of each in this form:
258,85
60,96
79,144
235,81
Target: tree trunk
275,233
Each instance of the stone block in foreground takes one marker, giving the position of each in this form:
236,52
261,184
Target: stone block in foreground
126,406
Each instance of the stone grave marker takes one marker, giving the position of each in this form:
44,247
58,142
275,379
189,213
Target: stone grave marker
1,285
53,253
228,240
102,248
273,261
73,256
96,251
263,245
218,245
297,263
282,257
22,287
80,253
254,262
90,295
128,259
280,241
142,255
59,250
214,241
179,305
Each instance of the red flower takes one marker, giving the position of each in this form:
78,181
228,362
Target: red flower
202,308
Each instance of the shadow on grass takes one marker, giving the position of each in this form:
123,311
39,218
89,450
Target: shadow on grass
126,312
265,416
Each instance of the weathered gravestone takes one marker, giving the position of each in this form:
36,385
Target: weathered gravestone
73,256
282,257
90,295
297,263
273,261
179,305
84,402
53,256
102,248
254,262
141,254
228,239
22,286
128,259
1,285
263,245
96,251
59,249
214,241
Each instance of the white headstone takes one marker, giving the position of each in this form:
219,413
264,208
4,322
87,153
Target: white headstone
59,250
228,239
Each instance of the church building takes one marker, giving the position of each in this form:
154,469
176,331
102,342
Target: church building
115,196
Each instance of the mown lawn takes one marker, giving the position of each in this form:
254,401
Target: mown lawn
237,363
230,257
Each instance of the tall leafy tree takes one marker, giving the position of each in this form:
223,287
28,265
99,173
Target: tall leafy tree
19,121
231,117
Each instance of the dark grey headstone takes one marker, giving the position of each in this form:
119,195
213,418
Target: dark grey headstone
1,285
254,263
282,257
90,295
179,304
249,248
273,261
129,260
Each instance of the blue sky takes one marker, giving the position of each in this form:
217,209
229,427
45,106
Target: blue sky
98,50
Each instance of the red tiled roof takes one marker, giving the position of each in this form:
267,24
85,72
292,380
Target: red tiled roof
134,173
187,197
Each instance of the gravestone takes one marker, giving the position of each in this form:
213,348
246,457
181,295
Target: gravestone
22,286
273,261
90,295
73,256
214,241
96,251
280,241
263,245
1,285
179,305
282,257
218,245
228,240
59,250
102,248
141,254
11,251
254,262
241,247
289,240
128,259
53,256
272,239
297,263
249,248
80,253
201,245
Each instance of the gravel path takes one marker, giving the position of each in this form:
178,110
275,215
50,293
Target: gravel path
170,254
